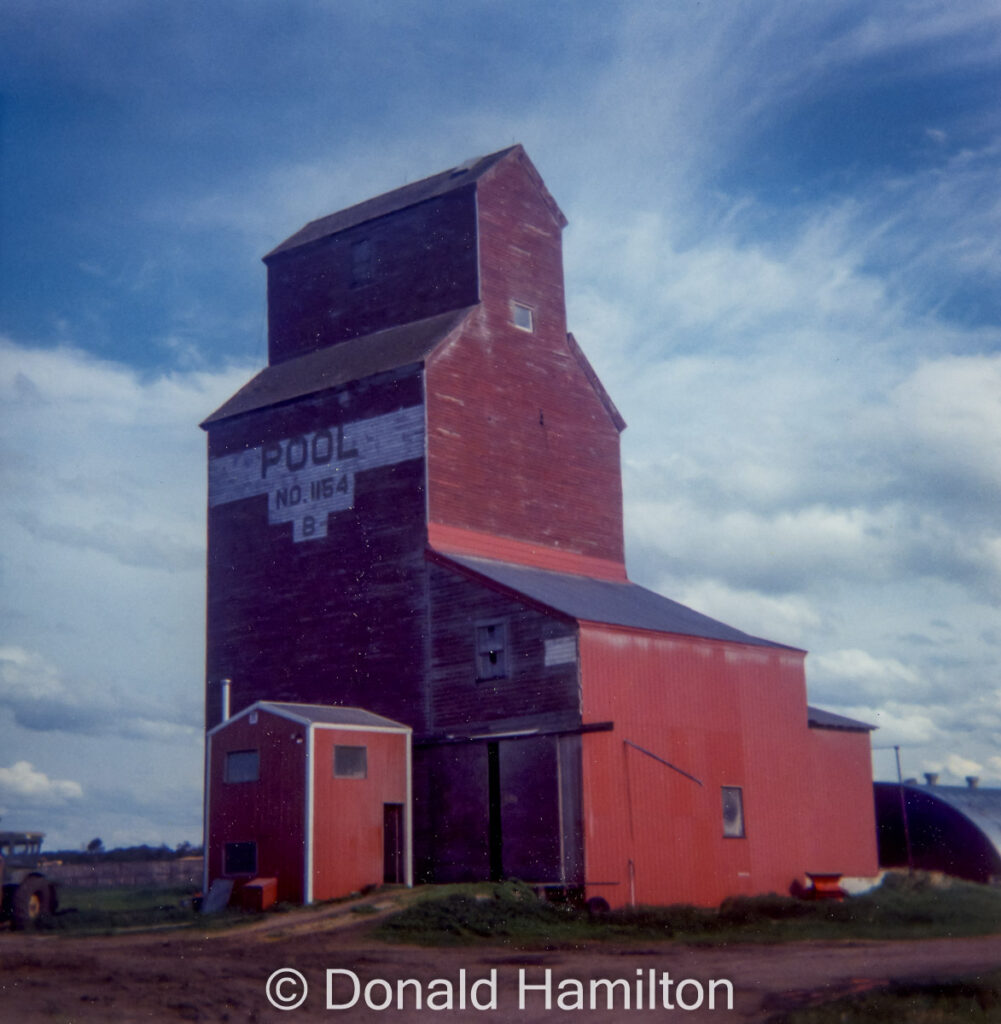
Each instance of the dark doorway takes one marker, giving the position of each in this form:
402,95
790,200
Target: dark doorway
495,828
392,843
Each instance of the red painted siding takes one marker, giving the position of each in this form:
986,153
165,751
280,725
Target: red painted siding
730,716
348,813
520,445
842,828
270,811
454,540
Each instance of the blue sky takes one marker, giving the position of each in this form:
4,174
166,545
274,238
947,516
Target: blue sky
782,259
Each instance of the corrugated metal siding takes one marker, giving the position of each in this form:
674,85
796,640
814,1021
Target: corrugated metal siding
270,811
519,443
728,715
842,827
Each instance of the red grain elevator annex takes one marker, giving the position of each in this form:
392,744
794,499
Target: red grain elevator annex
416,510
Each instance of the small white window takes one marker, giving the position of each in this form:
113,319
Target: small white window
521,316
350,762
242,766
733,812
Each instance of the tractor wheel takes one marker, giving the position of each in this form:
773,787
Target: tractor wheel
31,901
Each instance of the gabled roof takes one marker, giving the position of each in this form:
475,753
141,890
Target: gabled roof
820,719
329,367
592,600
408,195
330,714
318,714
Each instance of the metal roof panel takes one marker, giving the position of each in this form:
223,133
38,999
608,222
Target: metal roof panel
330,714
389,202
619,604
346,361
817,718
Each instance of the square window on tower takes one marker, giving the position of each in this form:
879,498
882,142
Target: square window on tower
521,317
491,650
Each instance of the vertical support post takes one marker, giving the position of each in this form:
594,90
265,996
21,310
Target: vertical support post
903,812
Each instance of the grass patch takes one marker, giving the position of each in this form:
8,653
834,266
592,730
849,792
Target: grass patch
104,911
903,907
972,1000
507,910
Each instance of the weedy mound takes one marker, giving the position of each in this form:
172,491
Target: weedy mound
508,910
902,907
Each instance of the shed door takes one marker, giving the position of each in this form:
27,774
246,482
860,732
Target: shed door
392,843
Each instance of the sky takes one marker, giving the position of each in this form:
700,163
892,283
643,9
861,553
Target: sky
782,260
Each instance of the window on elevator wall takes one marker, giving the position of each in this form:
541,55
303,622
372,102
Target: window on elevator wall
491,650
521,317
733,812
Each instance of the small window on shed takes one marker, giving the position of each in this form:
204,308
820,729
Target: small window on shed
350,762
491,650
733,812
240,859
521,316
242,766
361,263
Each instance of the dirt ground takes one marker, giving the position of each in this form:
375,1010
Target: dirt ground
222,976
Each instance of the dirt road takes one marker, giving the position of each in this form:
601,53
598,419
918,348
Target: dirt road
195,976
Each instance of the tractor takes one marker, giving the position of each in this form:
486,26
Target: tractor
27,893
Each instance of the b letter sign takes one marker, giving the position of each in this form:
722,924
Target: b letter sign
308,476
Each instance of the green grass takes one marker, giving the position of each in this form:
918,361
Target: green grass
104,911
511,914
975,1000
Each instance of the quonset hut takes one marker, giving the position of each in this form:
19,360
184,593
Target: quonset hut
415,510
954,829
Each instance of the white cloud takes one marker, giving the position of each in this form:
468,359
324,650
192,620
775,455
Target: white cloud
22,782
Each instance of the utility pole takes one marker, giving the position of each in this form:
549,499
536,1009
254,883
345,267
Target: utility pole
903,812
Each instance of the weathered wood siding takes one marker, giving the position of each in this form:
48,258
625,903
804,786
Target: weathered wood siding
340,619
519,443
532,694
421,261
533,816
